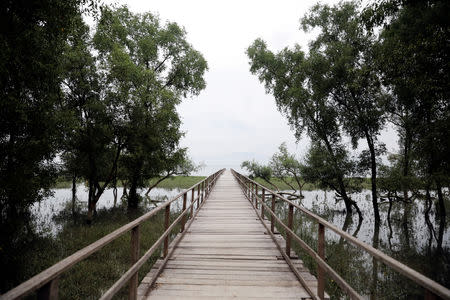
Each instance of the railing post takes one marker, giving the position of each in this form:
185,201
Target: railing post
272,219
320,271
192,202
198,193
166,226
253,194
263,197
288,235
256,196
203,192
49,291
135,241
183,221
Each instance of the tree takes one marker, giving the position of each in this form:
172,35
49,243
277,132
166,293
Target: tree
355,87
284,165
32,38
332,171
94,141
413,60
302,92
176,164
257,170
149,69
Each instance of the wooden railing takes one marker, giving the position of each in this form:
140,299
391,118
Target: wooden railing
46,282
250,189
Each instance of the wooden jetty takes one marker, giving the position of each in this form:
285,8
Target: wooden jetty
226,253
227,247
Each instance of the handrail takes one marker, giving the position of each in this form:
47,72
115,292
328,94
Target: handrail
250,190
46,282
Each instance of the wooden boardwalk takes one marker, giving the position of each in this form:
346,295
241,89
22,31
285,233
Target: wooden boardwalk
226,253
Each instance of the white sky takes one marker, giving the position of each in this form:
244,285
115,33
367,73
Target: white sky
233,119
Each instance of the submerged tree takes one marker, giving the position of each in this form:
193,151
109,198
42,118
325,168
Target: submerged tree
284,165
302,92
413,59
355,87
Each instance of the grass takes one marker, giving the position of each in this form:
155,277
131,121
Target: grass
308,186
90,278
182,182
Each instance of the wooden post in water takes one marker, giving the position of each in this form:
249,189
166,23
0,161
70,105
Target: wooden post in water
135,241
49,291
320,270
183,221
166,226
272,221
288,235
263,197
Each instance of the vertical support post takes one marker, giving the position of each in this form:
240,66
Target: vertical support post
166,226
192,204
320,271
135,241
272,219
253,194
49,291
203,192
263,197
288,235
183,220
256,196
199,193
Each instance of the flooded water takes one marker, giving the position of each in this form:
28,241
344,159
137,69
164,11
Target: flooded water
45,211
421,242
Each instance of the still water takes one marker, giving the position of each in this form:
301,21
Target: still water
419,241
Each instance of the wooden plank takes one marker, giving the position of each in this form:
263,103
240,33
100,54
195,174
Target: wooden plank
226,254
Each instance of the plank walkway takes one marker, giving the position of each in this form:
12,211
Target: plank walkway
226,253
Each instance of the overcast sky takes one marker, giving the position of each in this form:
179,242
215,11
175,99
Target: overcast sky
233,119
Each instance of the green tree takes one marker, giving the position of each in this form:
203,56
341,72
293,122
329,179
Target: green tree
284,166
95,138
257,170
149,68
413,60
355,87
330,171
174,164
302,92
32,40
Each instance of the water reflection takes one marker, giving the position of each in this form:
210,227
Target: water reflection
413,234
48,210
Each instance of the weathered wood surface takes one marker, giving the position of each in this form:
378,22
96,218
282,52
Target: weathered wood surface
226,253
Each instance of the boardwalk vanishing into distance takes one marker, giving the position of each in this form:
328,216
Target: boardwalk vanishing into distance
226,253
227,246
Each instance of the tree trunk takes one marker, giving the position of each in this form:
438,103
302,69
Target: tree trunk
442,213
91,203
373,178
74,193
133,197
